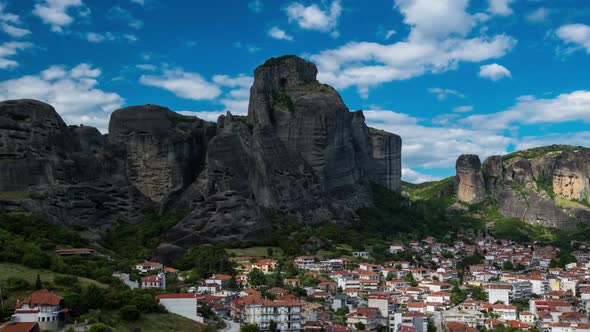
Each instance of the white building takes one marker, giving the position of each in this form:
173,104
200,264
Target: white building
499,293
42,307
148,267
254,310
181,304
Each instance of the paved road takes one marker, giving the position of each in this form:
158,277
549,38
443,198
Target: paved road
438,322
231,326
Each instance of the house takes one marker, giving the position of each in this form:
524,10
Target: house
506,312
146,267
154,281
416,307
219,279
527,317
75,251
304,262
408,322
370,317
265,265
395,248
362,254
470,317
181,304
42,307
20,327
499,293
254,310
460,327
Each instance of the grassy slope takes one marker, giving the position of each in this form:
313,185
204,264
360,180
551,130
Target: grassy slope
8,270
540,151
153,323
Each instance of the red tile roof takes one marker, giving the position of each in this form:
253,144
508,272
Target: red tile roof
176,296
42,296
19,327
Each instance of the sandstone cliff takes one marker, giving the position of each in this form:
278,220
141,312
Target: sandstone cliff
549,186
299,154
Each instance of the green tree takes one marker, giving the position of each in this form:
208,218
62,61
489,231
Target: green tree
410,278
129,313
256,278
250,328
99,327
272,326
479,294
431,326
508,265
38,283
359,326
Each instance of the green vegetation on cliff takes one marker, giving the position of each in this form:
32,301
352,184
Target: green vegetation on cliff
539,152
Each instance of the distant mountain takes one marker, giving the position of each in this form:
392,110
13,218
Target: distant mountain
300,154
547,186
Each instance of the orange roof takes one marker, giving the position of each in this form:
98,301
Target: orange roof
150,264
222,277
176,296
42,296
19,327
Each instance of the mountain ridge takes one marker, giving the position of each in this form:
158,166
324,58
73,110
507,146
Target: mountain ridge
300,154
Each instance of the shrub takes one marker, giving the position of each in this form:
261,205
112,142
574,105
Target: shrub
129,313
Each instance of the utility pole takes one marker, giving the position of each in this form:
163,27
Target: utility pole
1,303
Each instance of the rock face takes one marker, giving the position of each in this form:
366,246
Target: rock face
299,154
469,184
548,186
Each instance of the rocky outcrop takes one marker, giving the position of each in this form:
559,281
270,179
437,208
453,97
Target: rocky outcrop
548,186
300,154
469,184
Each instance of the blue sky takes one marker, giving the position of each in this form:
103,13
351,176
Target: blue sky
449,76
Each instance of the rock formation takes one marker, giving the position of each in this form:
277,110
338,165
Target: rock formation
299,154
469,184
549,186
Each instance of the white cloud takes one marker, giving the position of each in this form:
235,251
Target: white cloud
365,64
256,6
73,93
57,12
539,15
412,176
278,33
183,84
248,47
493,72
463,109
14,31
314,18
389,34
428,146
566,107
436,19
442,94
577,139
500,7
146,66
577,34
9,23
139,2
98,37
117,13
10,49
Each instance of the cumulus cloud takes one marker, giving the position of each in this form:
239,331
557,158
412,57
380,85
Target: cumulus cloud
9,23
500,7
73,92
442,94
234,100
313,17
436,43
538,15
566,107
183,84
412,176
10,49
436,19
57,13
433,146
277,33
494,72
576,34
